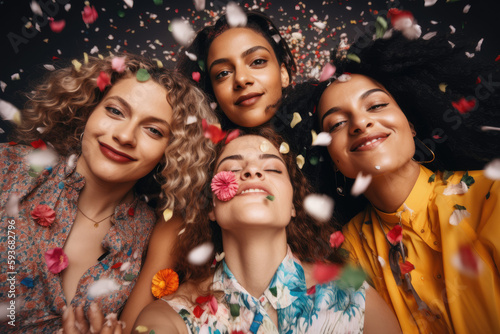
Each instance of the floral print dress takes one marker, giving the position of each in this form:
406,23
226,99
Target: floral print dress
324,308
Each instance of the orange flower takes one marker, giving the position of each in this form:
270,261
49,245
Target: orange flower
164,283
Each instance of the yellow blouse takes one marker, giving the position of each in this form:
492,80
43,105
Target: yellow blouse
434,231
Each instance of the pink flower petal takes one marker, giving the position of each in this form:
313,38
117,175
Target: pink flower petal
89,14
232,135
327,72
224,185
324,273
406,267
118,64
57,26
336,239
196,76
56,260
103,80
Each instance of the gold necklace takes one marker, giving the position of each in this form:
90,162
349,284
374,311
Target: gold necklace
96,223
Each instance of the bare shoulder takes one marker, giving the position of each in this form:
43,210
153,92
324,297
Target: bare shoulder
379,317
160,317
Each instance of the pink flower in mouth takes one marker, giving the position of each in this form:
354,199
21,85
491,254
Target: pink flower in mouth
56,260
43,215
224,185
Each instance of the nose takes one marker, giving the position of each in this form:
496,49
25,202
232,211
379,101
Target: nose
252,172
242,77
125,134
360,123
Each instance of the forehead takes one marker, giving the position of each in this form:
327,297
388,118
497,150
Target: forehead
236,40
249,145
354,88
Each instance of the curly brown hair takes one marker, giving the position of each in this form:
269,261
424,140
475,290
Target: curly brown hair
308,240
64,101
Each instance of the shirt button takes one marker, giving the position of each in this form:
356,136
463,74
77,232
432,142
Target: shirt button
435,243
438,276
422,278
438,316
422,231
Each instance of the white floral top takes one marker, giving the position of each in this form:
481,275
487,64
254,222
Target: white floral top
324,308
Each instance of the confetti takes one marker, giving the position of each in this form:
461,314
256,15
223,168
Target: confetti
3,85
57,26
489,128
9,112
201,254
324,273
235,16
459,214
336,239
191,56
191,119
327,72
284,148
270,197
129,3
463,105
295,120
264,146
466,9
442,87
142,75
428,3
196,76
89,14
199,5
381,261
103,80
77,65
344,78
452,29
456,189
319,207
118,64
478,46
35,8
167,214
49,67
300,161
429,35
40,159
360,184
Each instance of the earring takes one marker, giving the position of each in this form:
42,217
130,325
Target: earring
432,153
81,136
340,189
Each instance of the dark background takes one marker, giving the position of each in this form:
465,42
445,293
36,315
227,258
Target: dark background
144,29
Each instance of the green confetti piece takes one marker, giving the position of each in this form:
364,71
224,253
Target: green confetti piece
274,291
488,195
314,160
158,2
380,27
201,64
142,75
351,277
270,197
432,178
446,175
467,179
459,207
121,14
234,309
353,57
129,277
152,331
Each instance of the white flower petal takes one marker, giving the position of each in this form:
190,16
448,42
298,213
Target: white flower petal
191,119
3,85
466,9
453,29
125,266
42,158
429,35
95,49
72,160
469,54
412,32
456,189
322,139
201,254
191,56
199,5
344,78
103,287
35,8
478,46
49,67
492,170
7,110
182,31
296,35
319,207
381,261
428,3
362,182
457,216
320,25
235,16
129,3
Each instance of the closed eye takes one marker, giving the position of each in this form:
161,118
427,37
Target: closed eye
378,106
274,171
335,126
155,132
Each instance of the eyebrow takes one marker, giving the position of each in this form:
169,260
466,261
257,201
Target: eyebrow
240,157
149,118
243,55
362,97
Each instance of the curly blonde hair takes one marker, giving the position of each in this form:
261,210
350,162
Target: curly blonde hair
64,101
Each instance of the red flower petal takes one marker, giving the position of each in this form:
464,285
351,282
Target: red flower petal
463,106
212,132
468,258
103,80
396,14
324,273
406,267
395,235
57,26
311,290
336,239
202,299
56,260
12,143
213,306
224,185
196,76
39,144
43,215
89,14
198,311
131,212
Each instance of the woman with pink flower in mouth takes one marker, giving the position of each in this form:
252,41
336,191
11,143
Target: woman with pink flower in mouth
268,253
426,230
108,139
242,66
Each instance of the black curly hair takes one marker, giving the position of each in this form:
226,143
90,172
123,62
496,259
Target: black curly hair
256,21
414,72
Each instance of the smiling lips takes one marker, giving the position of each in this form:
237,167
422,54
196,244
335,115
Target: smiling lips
114,154
253,190
248,99
369,142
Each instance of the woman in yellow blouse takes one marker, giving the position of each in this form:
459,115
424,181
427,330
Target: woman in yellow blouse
429,240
